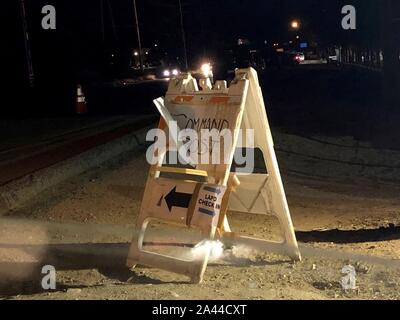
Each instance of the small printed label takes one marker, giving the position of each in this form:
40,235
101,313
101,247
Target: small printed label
208,205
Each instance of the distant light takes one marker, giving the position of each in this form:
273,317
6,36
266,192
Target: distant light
136,53
299,57
175,72
147,52
112,55
297,37
156,45
206,69
295,24
167,73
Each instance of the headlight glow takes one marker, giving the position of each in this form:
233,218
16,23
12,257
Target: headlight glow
206,70
175,72
166,73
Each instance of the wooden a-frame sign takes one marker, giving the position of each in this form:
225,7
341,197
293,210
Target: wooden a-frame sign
186,202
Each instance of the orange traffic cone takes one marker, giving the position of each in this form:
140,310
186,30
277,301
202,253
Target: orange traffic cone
80,101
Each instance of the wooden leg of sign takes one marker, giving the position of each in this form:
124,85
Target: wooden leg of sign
193,269
274,199
277,201
199,267
131,262
223,223
136,246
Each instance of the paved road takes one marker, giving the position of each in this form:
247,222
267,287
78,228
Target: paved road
55,147
30,144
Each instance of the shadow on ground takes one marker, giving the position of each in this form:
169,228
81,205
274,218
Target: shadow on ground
337,236
23,278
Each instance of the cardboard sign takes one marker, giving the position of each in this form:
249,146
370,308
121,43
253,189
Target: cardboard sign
205,205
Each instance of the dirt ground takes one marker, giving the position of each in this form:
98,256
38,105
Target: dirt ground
84,226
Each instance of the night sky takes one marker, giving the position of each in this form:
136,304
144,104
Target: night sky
211,25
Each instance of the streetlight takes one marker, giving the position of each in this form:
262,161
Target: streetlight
295,25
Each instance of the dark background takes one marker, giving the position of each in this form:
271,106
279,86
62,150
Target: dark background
79,50
78,43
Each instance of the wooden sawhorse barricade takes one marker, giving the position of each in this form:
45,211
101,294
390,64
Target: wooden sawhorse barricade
204,205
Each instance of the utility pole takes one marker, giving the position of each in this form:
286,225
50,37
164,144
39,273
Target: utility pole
114,28
103,37
28,55
183,36
138,37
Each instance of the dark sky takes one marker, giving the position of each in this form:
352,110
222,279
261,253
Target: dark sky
210,25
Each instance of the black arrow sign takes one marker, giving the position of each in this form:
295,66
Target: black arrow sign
177,199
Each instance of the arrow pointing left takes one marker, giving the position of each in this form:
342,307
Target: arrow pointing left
177,199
